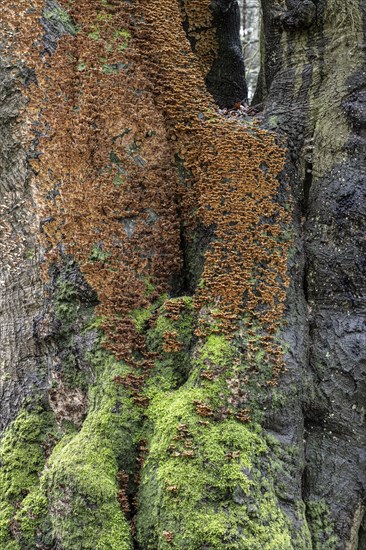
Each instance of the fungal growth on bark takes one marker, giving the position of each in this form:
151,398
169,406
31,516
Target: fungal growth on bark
182,355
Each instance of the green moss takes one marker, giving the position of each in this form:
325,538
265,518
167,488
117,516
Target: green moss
123,35
141,317
88,466
97,254
22,457
94,35
118,178
78,490
73,315
58,15
216,350
149,286
172,367
95,323
32,518
66,301
30,253
301,536
104,16
217,497
205,481
285,460
321,525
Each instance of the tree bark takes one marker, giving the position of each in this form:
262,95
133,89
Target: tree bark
182,286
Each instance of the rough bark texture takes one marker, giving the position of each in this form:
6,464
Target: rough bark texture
319,101
144,399
21,297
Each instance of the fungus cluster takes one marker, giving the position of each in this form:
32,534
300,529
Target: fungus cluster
197,16
117,102
232,186
105,174
122,496
110,194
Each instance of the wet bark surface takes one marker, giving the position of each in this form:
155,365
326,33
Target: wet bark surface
331,214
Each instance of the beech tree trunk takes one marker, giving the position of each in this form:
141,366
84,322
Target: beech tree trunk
183,349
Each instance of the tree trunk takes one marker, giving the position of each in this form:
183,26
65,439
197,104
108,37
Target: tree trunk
182,283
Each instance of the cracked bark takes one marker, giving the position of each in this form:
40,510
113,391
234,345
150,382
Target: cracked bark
308,109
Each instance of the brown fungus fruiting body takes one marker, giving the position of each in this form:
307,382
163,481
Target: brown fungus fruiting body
119,101
106,106
233,187
105,175
108,103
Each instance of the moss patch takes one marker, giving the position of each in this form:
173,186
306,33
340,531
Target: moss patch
202,482
171,337
72,313
321,525
78,490
205,483
58,15
22,457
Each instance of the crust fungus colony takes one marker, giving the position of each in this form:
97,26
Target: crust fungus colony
109,190
233,185
106,168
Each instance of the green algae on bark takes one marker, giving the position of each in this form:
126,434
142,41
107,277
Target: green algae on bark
321,525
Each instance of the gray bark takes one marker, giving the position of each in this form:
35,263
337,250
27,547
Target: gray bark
22,368
325,125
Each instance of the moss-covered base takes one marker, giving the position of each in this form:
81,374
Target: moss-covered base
202,486
208,481
79,488
22,456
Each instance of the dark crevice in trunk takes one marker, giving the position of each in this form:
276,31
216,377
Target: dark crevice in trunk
182,285
193,252
305,284
304,479
194,242
226,79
